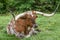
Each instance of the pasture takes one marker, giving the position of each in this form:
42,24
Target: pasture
49,26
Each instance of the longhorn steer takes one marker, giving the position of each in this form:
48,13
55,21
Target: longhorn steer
24,23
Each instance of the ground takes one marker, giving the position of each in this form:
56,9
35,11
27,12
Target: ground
49,26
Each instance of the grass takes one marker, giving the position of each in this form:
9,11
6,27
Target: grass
49,26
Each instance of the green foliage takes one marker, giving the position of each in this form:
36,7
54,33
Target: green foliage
24,5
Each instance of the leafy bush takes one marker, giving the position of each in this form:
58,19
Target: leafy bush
24,5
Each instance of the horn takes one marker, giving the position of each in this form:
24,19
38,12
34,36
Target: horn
13,15
45,14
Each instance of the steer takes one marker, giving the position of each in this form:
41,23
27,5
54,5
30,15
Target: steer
24,24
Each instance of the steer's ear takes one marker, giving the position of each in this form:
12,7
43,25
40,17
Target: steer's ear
24,17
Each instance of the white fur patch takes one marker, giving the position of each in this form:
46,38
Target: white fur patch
12,31
31,13
27,36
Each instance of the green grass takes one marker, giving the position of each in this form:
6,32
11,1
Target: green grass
49,26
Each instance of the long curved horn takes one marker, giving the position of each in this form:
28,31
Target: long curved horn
45,14
13,15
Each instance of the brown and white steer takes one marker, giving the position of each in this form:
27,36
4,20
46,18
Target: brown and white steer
24,23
